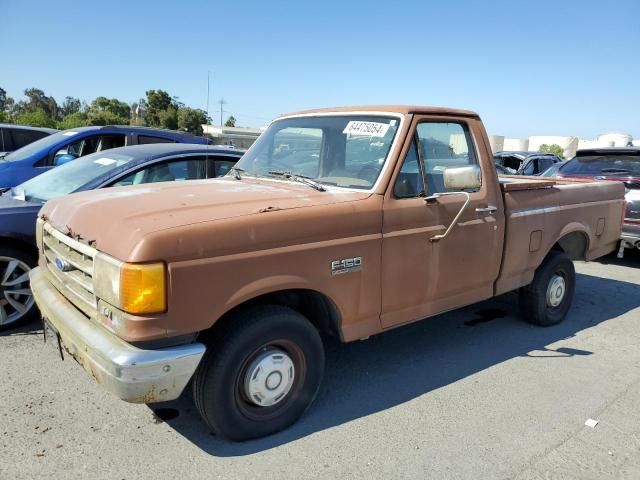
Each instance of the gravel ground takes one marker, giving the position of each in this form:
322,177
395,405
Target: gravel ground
475,393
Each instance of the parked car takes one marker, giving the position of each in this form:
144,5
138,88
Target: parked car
524,163
620,164
13,137
118,167
371,218
62,147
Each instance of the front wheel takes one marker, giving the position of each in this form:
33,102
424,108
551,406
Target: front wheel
16,301
260,373
546,300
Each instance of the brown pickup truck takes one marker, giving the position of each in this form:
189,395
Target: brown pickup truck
343,222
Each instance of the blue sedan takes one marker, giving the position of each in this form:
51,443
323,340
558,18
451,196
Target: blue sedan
62,147
134,165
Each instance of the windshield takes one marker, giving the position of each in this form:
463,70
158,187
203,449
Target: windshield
38,146
342,150
605,165
69,177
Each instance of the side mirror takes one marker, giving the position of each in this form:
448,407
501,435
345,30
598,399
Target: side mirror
62,159
462,178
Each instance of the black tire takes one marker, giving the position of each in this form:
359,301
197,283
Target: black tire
534,302
23,259
219,388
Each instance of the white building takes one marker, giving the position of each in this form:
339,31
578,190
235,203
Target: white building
569,144
239,137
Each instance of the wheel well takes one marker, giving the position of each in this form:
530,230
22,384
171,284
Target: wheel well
19,244
573,244
313,305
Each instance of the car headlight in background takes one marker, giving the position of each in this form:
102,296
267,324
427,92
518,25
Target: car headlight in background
136,288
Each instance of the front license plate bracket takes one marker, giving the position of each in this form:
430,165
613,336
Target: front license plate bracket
47,326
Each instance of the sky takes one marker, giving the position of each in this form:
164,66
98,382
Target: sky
544,67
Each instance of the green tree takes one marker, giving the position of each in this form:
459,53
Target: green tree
106,117
231,121
73,120
70,106
168,118
192,119
159,101
553,148
37,100
36,118
6,103
111,105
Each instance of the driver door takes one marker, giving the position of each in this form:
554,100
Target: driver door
422,277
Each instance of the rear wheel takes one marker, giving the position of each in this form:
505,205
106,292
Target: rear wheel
546,300
16,301
260,373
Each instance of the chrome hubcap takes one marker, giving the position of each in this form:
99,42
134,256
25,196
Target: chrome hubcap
15,295
269,377
555,291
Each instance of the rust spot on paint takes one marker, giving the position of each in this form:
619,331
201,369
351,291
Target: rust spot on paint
269,209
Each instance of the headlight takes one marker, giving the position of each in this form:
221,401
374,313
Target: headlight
39,228
136,288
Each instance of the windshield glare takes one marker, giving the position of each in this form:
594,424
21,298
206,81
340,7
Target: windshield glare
38,146
342,150
69,177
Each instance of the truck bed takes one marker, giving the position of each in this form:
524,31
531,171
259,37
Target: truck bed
584,214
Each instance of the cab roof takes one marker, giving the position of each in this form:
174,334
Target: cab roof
402,109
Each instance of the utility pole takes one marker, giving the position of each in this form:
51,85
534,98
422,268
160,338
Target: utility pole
208,75
222,102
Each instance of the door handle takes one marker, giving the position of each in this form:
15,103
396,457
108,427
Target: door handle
488,209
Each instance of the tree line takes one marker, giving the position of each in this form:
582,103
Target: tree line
157,109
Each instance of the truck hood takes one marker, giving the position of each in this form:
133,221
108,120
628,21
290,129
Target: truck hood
126,214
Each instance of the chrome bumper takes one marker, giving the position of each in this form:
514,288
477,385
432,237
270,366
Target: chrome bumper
132,374
630,236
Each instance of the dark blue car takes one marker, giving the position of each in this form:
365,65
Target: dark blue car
62,147
19,206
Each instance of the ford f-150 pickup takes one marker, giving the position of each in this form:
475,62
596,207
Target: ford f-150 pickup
344,222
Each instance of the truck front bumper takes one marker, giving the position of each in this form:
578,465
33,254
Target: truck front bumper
132,374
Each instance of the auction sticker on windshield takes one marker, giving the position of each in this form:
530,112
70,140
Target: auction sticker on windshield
369,129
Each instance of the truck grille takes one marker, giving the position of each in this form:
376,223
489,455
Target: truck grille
70,262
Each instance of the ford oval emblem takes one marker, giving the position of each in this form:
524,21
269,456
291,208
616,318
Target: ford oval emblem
63,265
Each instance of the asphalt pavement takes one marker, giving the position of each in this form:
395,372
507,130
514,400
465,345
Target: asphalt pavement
475,393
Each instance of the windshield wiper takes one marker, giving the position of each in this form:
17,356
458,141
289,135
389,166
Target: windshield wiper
296,177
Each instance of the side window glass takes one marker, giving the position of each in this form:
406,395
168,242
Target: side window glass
529,169
111,141
144,139
409,181
25,137
180,170
6,144
443,145
222,167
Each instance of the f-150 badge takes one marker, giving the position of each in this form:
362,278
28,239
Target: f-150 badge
346,265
